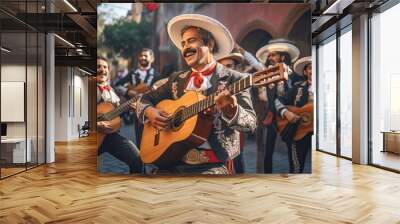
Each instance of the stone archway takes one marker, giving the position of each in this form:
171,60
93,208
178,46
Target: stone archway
301,34
292,21
254,40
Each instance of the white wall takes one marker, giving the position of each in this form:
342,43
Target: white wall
33,127
16,73
61,104
12,73
71,102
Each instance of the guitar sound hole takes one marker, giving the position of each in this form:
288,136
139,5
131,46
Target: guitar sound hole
176,121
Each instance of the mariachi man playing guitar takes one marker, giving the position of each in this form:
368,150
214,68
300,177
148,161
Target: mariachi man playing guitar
201,39
301,122
113,143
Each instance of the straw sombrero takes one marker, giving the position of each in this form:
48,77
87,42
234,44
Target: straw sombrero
299,65
236,56
221,34
280,45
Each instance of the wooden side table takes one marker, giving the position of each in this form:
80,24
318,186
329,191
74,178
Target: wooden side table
391,141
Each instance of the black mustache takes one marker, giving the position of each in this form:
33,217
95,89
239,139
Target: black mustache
144,62
189,50
270,62
102,73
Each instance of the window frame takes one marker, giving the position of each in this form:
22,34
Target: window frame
336,35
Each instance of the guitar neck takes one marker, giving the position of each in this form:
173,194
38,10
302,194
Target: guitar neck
265,77
209,101
119,110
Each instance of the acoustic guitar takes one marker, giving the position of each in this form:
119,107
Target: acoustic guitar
306,124
140,88
106,111
187,126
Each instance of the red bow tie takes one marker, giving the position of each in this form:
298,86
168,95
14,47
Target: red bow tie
102,88
198,76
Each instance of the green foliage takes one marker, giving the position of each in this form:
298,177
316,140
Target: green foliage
127,37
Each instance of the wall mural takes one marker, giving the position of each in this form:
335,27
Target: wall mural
204,88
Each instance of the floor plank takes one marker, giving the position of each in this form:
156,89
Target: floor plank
71,191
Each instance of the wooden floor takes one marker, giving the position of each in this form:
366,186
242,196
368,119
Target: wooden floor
70,191
386,159
10,171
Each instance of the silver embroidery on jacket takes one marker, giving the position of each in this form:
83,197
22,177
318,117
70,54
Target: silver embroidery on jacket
174,89
298,96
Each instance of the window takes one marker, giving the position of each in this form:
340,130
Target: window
385,85
346,92
327,95
22,74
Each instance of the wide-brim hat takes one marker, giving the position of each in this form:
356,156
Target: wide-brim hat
221,34
300,64
236,56
278,45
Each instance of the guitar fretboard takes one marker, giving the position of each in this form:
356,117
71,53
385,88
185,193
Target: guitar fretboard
118,111
209,101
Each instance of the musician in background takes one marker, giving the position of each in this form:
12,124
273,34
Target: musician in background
275,52
115,144
299,95
260,106
143,74
121,73
234,61
201,39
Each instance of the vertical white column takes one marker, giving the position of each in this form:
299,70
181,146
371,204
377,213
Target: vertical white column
50,99
50,93
314,90
360,90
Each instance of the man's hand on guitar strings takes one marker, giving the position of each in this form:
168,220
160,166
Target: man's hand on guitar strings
133,105
159,119
291,117
226,103
104,127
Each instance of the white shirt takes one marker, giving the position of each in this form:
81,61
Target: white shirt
311,93
142,74
110,96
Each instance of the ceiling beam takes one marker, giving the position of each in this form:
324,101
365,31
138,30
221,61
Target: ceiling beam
84,24
77,61
337,7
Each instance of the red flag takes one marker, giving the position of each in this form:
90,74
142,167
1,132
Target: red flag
151,7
